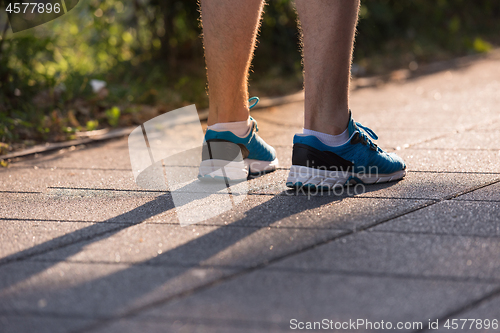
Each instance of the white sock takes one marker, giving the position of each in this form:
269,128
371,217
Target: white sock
238,128
327,139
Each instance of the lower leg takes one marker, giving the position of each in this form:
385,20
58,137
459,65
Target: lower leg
229,34
327,34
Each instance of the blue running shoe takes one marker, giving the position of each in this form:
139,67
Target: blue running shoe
231,157
316,165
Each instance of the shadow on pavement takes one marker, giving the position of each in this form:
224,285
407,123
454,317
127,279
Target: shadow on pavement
126,289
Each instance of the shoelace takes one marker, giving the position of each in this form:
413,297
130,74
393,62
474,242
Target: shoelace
371,133
256,99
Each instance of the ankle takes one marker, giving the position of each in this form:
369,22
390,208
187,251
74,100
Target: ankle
332,122
327,127
227,115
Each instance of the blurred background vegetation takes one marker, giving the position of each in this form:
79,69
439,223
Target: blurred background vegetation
150,55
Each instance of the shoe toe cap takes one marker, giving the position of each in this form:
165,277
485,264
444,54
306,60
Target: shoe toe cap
398,163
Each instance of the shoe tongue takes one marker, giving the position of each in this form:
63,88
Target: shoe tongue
352,125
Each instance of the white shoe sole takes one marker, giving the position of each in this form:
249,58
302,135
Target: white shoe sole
256,167
234,171
309,177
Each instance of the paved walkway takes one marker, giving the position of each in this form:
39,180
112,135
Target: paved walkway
83,249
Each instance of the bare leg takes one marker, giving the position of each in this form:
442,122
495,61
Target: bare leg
327,33
229,34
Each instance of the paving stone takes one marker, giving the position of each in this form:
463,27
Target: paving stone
278,297
36,323
85,206
105,155
272,183
488,127
329,212
275,183
453,99
61,222
451,217
20,238
231,245
135,206
451,160
30,179
289,209
427,185
488,193
393,140
488,312
470,140
158,209
55,180
188,325
93,290
421,116
404,254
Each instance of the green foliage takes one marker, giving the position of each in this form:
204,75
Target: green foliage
481,46
421,30
113,116
20,80
92,125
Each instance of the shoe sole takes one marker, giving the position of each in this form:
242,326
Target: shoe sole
257,167
215,169
301,176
